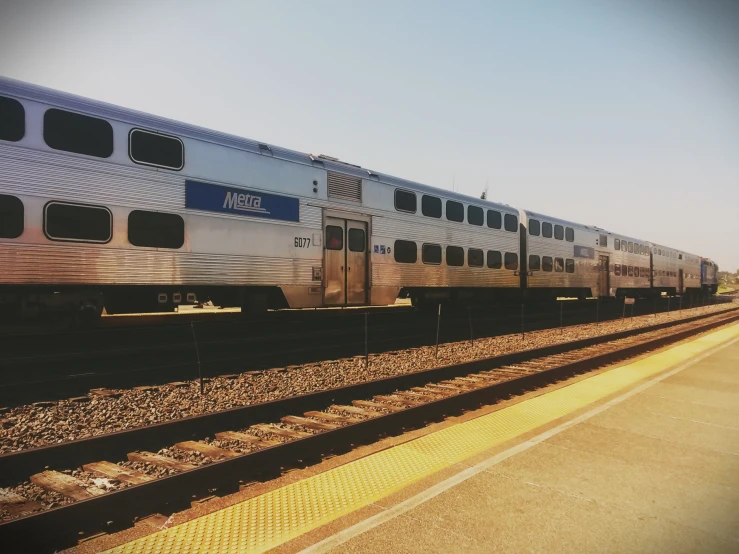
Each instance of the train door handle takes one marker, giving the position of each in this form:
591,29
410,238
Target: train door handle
342,268
348,268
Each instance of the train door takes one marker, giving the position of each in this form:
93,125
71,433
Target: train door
345,262
680,282
603,285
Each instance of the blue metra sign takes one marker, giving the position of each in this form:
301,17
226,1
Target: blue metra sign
217,198
584,252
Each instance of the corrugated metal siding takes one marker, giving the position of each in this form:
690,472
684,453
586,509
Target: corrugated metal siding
72,264
344,187
422,275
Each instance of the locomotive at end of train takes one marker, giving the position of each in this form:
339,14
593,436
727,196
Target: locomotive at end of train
104,208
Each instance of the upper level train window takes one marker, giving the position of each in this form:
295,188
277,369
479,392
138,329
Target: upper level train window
77,222
149,148
570,265
559,232
511,223
454,211
156,229
617,244
547,264
334,237
82,134
559,265
631,247
546,230
495,259
454,256
11,216
405,201
603,241
406,252
431,254
534,227
495,221
623,246
475,258
511,261
431,206
569,234
534,262
12,119
680,257
659,251
356,240
475,215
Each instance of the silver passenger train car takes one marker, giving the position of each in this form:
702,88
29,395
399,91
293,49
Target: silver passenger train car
102,206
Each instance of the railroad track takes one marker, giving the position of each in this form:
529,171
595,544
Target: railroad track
286,433
72,363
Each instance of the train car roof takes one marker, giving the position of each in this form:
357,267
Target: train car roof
73,102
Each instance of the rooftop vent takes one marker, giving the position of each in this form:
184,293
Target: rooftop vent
344,187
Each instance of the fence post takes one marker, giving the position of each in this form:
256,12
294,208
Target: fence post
438,324
669,298
197,353
561,325
472,336
523,332
597,310
623,314
366,341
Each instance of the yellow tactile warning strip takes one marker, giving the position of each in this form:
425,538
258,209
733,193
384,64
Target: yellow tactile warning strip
271,519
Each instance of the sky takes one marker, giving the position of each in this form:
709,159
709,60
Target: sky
621,114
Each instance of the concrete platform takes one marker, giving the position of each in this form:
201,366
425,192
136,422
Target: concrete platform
656,472
641,457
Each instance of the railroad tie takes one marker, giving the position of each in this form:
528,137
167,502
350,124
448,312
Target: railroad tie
429,392
114,471
159,461
66,485
287,433
245,437
309,423
355,410
398,399
15,504
206,449
377,405
332,417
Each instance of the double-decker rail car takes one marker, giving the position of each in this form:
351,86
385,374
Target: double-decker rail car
674,271
102,206
708,276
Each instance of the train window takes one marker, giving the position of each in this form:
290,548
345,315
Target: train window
570,265
511,223
624,246
559,265
511,261
603,241
495,220
431,254
12,119
534,262
631,271
475,257
147,148
475,215
495,260
334,237
454,211
659,251
77,222
631,247
534,227
454,256
405,201
680,257
546,230
431,206
617,270
11,216
559,232
643,271
356,240
547,263
406,252
81,134
569,234
156,229
617,244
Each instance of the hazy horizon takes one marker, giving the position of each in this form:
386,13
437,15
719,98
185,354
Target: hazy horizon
621,115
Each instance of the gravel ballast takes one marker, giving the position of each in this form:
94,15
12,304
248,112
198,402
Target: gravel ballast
32,426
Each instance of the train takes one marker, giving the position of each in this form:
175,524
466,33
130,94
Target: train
106,208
